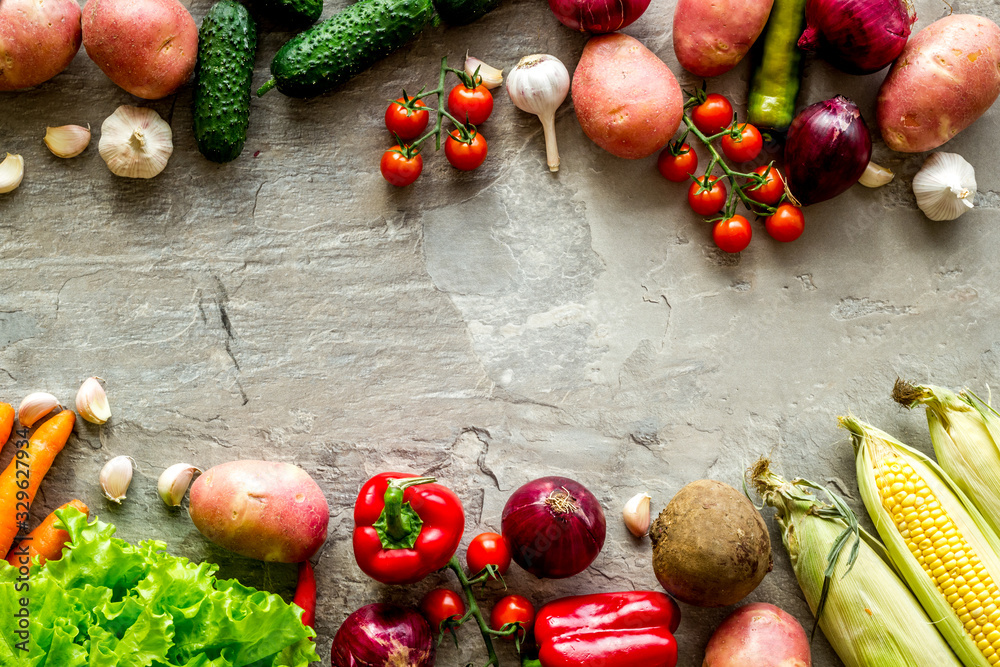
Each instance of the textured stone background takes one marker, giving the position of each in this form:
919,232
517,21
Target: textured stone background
487,328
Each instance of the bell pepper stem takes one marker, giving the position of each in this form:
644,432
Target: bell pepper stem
474,611
531,662
397,523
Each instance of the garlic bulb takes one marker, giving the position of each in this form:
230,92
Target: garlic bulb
636,514
136,142
539,84
945,186
11,172
67,140
174,482
116,475
876,176
35,406
490,77
92,402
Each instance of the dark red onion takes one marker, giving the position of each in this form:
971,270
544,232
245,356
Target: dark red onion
597,15
857,36
555,527
383,635
827,149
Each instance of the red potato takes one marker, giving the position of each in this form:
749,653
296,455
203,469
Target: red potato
259,509
947,76
711,38
758,635
37,40
148,47
627,99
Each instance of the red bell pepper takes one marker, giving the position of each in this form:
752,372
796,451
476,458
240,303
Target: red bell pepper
405,527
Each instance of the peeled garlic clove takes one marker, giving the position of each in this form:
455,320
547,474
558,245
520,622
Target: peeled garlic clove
67,140
116,475
136,142
35,406
92,402
174,483
636,514
876,176
945,186
491,77
11,172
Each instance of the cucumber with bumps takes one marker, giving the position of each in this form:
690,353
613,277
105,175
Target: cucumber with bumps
293,12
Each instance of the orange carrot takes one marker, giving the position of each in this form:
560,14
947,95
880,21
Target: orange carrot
19,482
6,423
46,541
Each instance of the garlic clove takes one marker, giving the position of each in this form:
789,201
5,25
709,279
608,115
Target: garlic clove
11,172
92,401
174,483
116,475
35,406
67,140
136,142
636,514
491,77
876,176
945,187
539,84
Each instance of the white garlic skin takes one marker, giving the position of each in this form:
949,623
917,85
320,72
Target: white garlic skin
116,476
136,142
67,140
11,173
876,176
636,514
538,84
174,482
490,77
34,406
92,401
945,186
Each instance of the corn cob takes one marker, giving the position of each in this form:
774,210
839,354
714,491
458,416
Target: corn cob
865,610
941,544
965,432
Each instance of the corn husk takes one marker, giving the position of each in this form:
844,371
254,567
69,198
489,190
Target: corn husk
871,446
863,607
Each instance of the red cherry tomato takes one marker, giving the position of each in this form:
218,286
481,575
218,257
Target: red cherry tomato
707,202
744,148
513,609
399,169
441,604
462,155
732,234
713,115
678,167
470,105
771,190
786,224
405,123
488,549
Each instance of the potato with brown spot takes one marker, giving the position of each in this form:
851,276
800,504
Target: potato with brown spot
712,37
37,40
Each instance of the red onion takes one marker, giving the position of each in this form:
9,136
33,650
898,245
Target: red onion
555,527
857,36
827,149
383,635
597,15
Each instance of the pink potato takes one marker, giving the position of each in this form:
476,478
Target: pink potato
259,509
758,635
711,37
947,76
148,47
627,100
37,40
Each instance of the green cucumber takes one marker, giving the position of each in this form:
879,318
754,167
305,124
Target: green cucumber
463,12
777,76
293,12
227,43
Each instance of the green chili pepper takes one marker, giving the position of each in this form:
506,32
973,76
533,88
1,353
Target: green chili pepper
777,76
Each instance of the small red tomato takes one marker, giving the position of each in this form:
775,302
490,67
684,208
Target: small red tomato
713,115
771,191
407,124
488,549
399,169
707,202
513,609
441,604
732,234
678,167
470,105
465,155
744,148
786,224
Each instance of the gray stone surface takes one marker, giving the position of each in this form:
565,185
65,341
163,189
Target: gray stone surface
488,328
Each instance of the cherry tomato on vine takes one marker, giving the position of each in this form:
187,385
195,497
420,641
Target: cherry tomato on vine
713,115
786,224
746,147
732,234
441,604
405,123
488,549
476,102
400,169
513,609
465,155
678,167
707,202
771,190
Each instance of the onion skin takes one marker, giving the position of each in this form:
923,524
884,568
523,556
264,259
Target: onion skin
857,36
827,150
597,15
383,635
553,534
